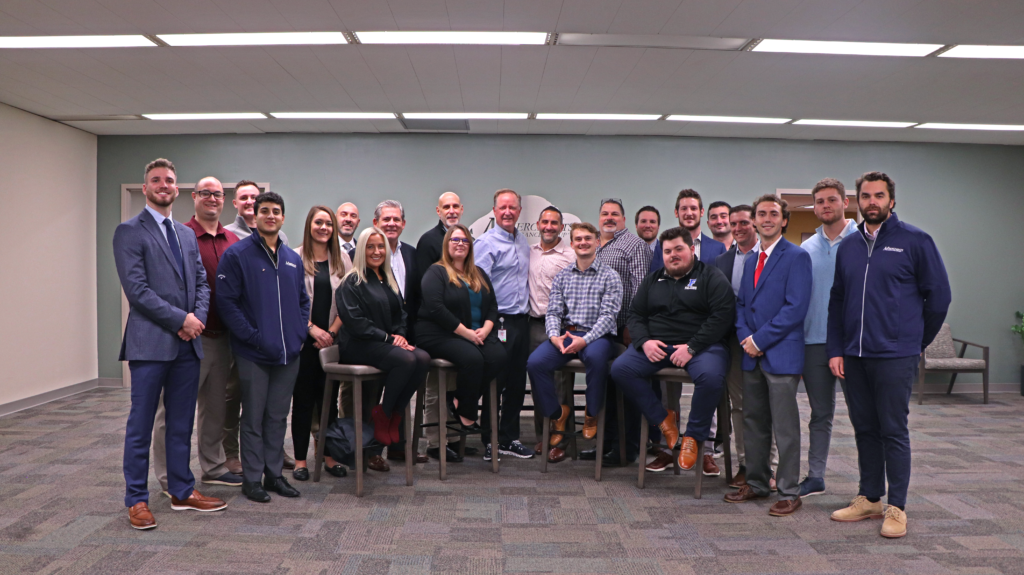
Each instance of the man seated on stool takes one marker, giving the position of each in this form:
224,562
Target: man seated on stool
679,318
580,322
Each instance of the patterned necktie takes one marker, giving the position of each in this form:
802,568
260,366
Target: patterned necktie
172,240
760,266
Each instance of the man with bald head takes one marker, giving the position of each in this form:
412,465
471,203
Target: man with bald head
348,222
215,366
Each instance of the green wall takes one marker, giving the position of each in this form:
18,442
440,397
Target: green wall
967,196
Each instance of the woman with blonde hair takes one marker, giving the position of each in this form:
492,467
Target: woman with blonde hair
325,264
373,332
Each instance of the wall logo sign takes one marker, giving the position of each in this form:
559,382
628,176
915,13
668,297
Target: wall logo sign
532,206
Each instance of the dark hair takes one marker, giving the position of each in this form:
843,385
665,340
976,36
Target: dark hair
268,197
742,208
552,209
158,163
827,183
243,183
586,226
783,205
636,220
878,177
622,210
676,233
719,204
688,193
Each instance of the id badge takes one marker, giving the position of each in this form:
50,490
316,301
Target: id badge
502,335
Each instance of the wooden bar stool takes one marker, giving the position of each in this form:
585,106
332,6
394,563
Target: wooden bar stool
358,375
443,368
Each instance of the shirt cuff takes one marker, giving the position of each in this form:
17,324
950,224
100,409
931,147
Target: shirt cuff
753,343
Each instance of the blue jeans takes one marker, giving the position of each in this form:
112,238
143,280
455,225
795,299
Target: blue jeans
178,379
878,397
632,372
546,359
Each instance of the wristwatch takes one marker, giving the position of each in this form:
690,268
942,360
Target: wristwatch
334,334
689,350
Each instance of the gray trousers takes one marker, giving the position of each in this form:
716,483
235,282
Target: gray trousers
563,385
232,411
734,385
266,402
214,370
821,394
769,405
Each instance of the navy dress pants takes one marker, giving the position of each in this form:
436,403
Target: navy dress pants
546,359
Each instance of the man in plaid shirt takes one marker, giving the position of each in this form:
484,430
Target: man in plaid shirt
580,322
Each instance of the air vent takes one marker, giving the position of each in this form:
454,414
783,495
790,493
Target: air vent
436,125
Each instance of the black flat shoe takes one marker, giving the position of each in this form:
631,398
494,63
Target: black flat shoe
280,486
474,428
450,456
254,491
300,474
338,470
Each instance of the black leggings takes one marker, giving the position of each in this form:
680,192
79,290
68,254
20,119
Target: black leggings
406,370
476,366
308,393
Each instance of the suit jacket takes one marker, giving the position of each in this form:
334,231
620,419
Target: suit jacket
412,287
773,312
710,248
159,298
365,311
725,261
446,305
657,258
336,277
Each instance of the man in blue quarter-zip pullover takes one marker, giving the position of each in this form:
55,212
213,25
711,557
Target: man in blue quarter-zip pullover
830,203
261,295
889,299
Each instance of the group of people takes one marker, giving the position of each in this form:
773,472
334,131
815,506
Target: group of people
223,316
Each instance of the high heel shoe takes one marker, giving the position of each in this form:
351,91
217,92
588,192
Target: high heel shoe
394,426
381,425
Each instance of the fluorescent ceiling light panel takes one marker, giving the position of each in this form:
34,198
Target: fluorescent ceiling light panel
652,41
984,52
449,37
598,116
466,116
727,119
847,48
210,116
994,127
127,41
254,39
854,123
334,115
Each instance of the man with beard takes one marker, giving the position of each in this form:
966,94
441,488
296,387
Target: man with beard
648,222
718,221
830,202
245,222
879,324
689,210
348,223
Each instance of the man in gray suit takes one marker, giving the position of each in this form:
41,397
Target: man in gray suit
164,281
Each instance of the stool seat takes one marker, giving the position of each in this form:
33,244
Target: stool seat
673,373
444,363
575,366
345,369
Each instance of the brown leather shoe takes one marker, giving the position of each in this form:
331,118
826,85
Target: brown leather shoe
688,453
558,425
744,494
538,449
556,455
589,426
740,479
197,502
710,467
661,462
234,465
772,486
784,507
670,430
378,463
140,517
289,461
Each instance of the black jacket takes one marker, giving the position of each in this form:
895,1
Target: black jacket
365,311
698,309
428,249
446,305
412,286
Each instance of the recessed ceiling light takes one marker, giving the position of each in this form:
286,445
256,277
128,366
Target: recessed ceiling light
962,51
995,127
466,115
333,115
598,116
652,41
449,37
849,48
254,39
127,41
208,116
727,119
854,123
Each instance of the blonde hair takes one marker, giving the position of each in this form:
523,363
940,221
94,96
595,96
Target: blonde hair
470,273
334,261
359,263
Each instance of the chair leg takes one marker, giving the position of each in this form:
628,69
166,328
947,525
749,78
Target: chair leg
357,407
622,429
410,462
700,469
641,458
545,439
494,426
418,421
952,380
726,430
442,425
984,379
600,444
321,435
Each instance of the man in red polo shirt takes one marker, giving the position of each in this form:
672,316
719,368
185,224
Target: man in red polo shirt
215,367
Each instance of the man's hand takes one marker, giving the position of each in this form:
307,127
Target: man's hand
557,342
626,339
321,338
577,344
749,347
836,365
654,350
681,356
184,336
191,328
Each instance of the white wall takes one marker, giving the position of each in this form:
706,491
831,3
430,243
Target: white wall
48,232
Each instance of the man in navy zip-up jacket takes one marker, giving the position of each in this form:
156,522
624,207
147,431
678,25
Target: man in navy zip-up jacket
889,299
261,297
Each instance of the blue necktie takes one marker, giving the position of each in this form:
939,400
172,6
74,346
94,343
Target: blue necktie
172,240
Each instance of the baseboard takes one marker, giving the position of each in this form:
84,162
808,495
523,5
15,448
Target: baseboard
109,382
53,395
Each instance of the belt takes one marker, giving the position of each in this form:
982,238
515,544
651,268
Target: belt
214,334
571,327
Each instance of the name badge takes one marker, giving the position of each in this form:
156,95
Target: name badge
502,335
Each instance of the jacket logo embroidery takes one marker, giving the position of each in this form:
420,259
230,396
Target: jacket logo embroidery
892,249
221,276
692,284
293,265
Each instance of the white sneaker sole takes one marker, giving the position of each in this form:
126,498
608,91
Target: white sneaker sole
514,454
861,518
219,482
812,494
190,508
146,528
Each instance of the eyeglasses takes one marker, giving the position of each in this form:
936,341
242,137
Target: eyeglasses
611,201
465,241
206,194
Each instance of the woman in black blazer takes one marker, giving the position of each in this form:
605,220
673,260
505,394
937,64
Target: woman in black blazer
373,332
456,321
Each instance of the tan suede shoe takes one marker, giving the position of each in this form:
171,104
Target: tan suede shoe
895,524
859,509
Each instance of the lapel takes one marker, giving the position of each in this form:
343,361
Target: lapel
705,247
728,262
410,273
777,254
154,229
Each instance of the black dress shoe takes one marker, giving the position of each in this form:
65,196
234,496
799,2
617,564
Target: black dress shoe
280,486
469,450
338,470
450,456
612,459
588,455
254,491
300,474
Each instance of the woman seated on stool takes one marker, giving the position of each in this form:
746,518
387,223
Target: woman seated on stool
325,265
456,322
373,332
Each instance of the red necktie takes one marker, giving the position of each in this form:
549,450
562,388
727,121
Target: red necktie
760,266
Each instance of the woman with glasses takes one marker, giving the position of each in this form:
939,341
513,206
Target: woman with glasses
373,332
456,322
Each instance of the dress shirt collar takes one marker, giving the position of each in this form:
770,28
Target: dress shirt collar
201,231
157,215
770,248
561,247
501,233
756,247
595,267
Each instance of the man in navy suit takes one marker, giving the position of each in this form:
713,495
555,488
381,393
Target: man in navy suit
163,278
775,292
689,210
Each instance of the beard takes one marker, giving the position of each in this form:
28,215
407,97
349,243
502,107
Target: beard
883,214
160,201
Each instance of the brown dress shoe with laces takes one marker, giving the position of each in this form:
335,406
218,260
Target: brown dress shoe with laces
589,426
140,517
784,507
197,502
558,425
378,463
556,455
740,479
660,462
670,430
744,494
688,453
710,467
